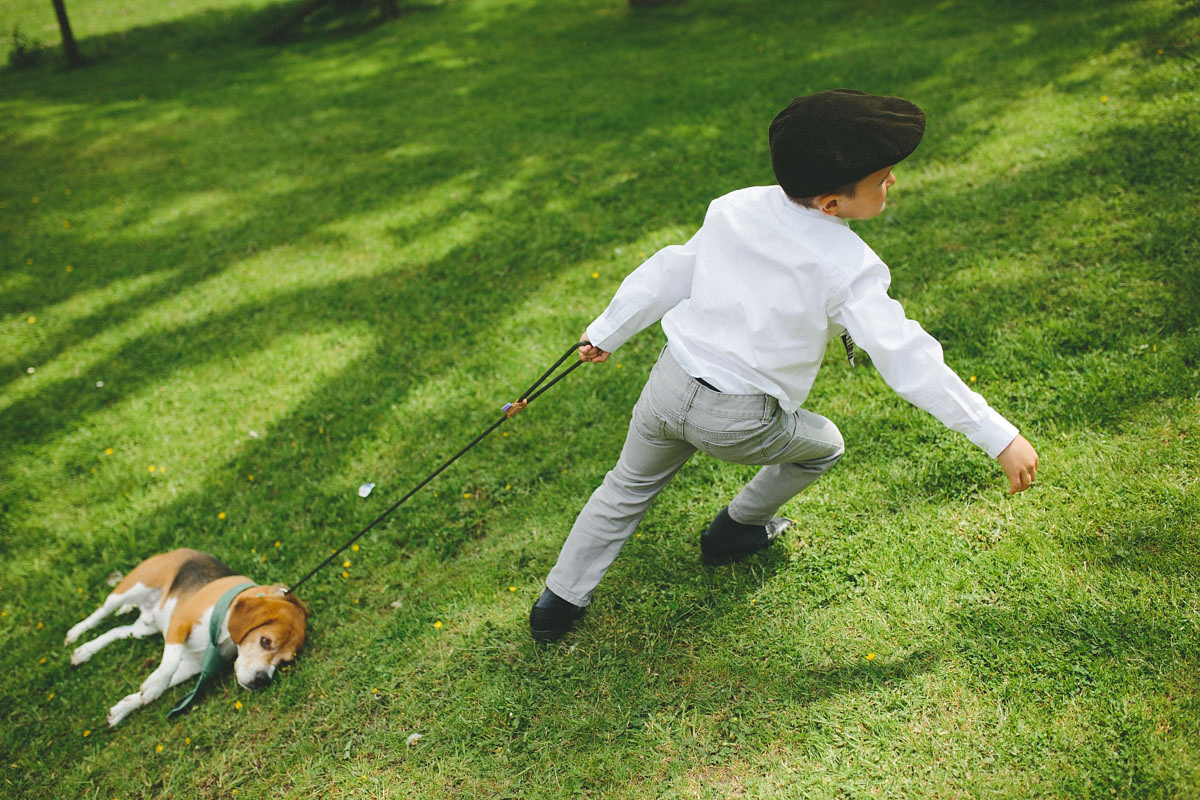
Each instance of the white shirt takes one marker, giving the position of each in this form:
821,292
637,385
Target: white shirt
751,300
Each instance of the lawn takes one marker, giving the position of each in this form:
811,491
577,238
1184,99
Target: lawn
239,280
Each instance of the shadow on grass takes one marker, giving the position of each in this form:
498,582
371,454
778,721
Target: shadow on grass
436,293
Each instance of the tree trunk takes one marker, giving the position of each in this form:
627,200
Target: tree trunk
69,47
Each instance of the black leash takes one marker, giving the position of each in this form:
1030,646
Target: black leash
510,411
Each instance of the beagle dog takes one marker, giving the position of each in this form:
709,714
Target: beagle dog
175,593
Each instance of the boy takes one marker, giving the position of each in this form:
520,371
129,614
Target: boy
748,305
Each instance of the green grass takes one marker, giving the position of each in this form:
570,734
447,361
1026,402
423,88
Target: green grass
296,268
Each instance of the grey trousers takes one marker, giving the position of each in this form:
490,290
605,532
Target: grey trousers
675,416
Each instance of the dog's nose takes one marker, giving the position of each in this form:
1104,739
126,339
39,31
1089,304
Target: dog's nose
261,679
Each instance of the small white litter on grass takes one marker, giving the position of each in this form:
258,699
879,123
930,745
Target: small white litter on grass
365,489
413,738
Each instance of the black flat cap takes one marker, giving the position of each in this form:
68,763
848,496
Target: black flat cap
826,140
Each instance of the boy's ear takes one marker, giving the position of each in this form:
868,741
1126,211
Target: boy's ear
827,204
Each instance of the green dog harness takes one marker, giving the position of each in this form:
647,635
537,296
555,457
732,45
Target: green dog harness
212,656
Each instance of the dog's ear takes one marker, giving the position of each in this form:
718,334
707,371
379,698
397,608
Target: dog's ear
247,614
262,608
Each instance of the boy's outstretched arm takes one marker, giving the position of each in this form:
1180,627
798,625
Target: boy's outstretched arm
1020,462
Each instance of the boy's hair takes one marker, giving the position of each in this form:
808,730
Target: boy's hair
838,137
845,190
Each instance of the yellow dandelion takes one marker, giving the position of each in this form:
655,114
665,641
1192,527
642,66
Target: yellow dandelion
187,740
36,199
87,733
39,626
870,656
595,274
237,704
1104,98
41,660
31,320
108,451
438,624
972,379
50,696
220,515
354,548
249,477
279,544
345,574
158,748
70,268
151,468
66,223
345,563
512,588
466,494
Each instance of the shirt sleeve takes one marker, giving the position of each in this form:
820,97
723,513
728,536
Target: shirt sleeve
911,361
658,285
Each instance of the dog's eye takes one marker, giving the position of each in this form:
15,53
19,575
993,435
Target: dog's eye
265,642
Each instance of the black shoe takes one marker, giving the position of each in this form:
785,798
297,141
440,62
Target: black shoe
727,540
551,617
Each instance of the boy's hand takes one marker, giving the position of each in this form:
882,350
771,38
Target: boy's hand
1020,462
589,352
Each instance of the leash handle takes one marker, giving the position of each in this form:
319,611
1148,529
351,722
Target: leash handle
510,410
514,408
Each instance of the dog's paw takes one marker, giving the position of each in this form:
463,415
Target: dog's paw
72,635
80,655
122,709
